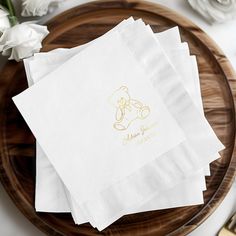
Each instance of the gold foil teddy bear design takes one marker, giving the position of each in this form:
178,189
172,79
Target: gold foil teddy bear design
127,109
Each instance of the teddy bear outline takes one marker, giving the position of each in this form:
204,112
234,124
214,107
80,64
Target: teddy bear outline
125,105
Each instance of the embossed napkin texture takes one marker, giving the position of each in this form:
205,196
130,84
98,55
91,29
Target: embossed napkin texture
164,70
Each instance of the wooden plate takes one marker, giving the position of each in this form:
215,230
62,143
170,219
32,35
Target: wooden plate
78,26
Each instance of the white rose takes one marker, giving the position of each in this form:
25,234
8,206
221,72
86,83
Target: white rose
22,40
4,21
215,10
38,7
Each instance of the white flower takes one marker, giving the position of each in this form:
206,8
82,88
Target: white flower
38,7
215,10
22,40
4,21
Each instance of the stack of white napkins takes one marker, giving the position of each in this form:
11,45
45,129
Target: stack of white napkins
119,125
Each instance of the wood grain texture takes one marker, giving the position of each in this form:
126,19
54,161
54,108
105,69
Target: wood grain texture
80,25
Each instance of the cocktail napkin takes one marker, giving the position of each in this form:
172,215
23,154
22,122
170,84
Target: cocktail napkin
80,90
49,183
146,61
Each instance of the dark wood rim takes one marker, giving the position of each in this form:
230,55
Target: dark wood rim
155,9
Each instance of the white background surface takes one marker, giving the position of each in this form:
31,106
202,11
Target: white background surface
13,223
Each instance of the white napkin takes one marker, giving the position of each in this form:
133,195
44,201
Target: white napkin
201,126
123,76
49,194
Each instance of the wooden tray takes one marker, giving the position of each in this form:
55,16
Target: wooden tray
78,26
